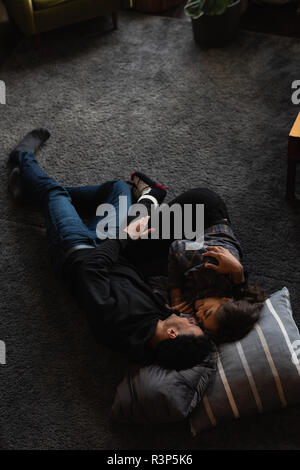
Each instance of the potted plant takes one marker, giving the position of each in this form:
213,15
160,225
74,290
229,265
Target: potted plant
215,22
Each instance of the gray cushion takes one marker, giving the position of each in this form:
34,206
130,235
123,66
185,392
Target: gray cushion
257,374
260,373
156,395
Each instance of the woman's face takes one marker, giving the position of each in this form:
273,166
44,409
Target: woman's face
206,311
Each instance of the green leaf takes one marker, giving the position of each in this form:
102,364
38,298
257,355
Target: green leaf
196,8
215,7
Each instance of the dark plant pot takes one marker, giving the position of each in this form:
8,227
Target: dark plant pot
217,30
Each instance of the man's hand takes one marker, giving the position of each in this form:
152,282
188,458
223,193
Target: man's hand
136,229
228,264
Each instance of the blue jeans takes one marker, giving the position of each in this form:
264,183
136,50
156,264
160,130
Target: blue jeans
65,228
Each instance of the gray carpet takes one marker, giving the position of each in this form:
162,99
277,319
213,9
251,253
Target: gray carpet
145,97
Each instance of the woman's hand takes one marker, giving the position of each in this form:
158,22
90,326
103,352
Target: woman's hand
228,264
183,307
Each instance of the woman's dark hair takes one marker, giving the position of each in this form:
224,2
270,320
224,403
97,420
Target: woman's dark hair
183,352
237,317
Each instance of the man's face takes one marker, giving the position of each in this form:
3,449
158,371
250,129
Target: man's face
183,326
206,311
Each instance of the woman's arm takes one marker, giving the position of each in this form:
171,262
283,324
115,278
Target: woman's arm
175,296
176,271
238,277
227,263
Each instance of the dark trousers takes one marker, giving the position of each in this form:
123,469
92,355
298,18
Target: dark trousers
61,206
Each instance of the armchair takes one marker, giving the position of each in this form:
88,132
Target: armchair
36,16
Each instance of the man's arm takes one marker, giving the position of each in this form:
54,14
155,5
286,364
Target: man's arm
88,269
87,273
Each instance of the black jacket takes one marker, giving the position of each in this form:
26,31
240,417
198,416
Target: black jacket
121,308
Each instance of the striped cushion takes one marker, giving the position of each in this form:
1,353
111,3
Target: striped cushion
257,374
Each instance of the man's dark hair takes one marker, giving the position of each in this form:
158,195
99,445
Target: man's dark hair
183,352
236,318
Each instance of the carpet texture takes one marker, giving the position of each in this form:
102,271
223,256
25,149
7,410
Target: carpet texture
144,97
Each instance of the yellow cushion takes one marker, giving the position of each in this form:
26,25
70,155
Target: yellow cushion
43,4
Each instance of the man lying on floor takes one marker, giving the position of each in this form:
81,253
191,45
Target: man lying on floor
125,314
121,308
